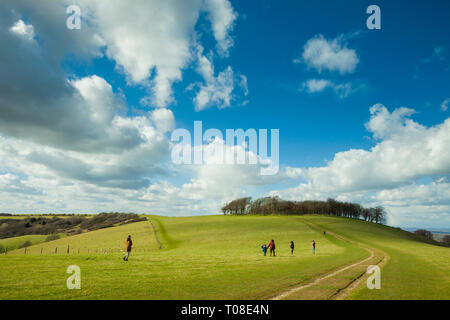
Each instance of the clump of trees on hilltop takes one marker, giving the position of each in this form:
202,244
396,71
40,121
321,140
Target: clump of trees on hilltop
275,205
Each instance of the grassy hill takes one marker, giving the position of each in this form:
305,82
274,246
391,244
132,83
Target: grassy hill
16,242
415,270
219,257
98,241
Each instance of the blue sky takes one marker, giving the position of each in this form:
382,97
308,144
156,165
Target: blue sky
270,35
127,80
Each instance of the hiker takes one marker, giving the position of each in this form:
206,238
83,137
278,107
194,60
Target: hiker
128,244
292,247
264,249
313,244
272,247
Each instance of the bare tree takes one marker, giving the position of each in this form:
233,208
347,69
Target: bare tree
379,214
238,206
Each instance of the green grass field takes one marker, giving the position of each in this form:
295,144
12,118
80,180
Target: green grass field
415,270
219,257
14,243
98,241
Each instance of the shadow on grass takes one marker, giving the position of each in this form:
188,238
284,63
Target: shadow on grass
167,243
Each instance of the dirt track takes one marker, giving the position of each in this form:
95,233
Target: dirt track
345,291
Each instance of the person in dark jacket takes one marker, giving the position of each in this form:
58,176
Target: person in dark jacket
264,249
128,245
272,247
292,247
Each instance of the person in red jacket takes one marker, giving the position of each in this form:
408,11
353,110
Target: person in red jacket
128,245
272,247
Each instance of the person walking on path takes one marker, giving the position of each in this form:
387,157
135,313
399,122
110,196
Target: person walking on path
264,249
313,244
128,244
292,247
272,247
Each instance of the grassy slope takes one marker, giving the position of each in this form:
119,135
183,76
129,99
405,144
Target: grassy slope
108,239
36,276
415,270
213,257
15,242
219,257
14,217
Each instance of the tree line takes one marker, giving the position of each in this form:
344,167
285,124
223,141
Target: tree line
275,205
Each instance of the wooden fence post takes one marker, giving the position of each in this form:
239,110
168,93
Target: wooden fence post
67,249
41,250
25,250
56,250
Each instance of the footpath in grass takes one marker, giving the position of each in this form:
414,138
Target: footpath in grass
213,257
415,270
339,283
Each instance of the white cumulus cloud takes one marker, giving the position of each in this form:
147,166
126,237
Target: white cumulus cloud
152,43
22,29
342,90
405,152
333,55
216,90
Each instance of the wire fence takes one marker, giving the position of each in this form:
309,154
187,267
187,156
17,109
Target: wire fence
68,250
110,248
